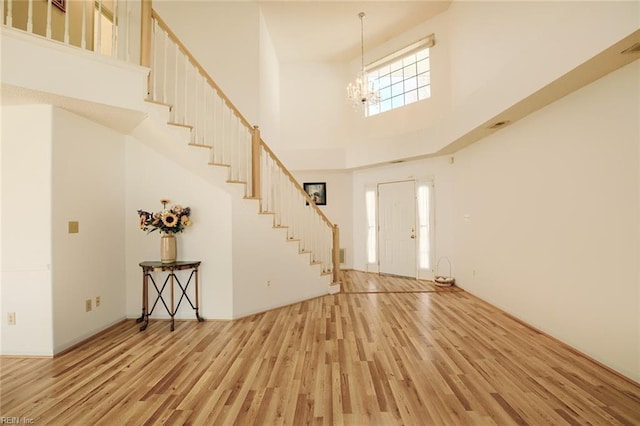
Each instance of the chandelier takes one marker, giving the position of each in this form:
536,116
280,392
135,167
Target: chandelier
360,93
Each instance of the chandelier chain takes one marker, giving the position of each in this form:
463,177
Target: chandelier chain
362,15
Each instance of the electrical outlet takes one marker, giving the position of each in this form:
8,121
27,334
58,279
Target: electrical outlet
268,283
11,318
87,305
97,301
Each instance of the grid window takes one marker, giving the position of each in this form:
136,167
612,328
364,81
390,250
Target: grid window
402,82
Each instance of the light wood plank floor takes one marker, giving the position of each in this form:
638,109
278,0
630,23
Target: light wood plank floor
420,357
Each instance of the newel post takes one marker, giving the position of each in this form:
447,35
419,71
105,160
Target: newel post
255,162
336,254
145,38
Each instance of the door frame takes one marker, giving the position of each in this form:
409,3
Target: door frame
421,273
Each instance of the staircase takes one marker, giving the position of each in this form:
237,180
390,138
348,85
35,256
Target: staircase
197,111
178,81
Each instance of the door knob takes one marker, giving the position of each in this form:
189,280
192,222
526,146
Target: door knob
413,237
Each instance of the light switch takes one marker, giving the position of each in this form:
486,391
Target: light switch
74,227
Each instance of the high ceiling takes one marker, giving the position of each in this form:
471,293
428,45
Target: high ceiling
304,31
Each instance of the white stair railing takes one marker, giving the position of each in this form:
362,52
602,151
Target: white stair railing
196,102
98,25
292,208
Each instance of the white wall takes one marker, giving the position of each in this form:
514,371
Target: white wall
548,37
490,23
552,207
314,116
268,271
224,38
26,230
64,169
269,120
87,184
151,177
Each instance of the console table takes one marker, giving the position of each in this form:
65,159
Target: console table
151,268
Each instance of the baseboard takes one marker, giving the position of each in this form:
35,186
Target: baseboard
335,288
558,341
64,350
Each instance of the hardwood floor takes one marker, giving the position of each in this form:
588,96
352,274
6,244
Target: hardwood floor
428,357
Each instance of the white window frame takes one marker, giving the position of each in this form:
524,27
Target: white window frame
401,78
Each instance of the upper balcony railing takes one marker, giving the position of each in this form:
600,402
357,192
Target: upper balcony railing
109,27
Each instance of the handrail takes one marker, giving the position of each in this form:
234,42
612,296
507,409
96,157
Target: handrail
200,68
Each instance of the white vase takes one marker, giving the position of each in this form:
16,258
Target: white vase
168,251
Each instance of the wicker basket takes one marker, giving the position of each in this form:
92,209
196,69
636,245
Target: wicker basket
443,280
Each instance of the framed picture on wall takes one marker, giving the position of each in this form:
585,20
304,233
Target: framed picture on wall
60,4
317,191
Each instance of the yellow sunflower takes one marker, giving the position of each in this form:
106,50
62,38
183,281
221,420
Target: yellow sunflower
170,220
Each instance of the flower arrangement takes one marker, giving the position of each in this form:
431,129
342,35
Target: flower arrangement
169,221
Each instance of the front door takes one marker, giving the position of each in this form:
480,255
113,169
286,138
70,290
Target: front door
397,226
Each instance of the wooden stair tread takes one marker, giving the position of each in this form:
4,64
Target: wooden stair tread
200,145
187,126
